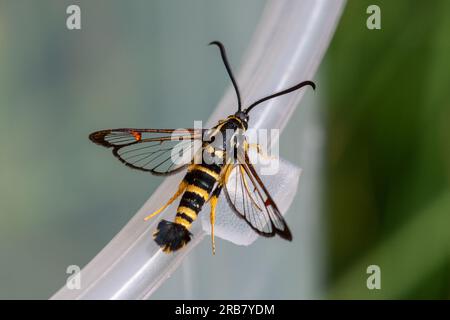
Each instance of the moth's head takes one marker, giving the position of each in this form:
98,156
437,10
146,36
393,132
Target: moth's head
243,117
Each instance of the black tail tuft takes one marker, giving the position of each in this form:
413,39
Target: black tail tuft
171,236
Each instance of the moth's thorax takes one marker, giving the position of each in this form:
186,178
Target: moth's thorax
221,142
225,131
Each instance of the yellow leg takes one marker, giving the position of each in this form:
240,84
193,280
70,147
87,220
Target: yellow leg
180,190
213,220
260,150
213,201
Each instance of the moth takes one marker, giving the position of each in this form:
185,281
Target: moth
213,156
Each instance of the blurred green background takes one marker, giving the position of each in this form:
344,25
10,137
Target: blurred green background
384,108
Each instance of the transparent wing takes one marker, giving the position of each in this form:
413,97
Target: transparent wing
158,151
249,198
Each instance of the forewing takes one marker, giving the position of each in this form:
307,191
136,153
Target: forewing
158,151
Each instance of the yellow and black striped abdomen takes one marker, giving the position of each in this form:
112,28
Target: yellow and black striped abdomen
200,179
199,182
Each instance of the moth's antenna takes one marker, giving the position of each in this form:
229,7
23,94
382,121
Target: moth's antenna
296,87
230,73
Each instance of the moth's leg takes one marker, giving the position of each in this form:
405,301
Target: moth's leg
213,201
258,149
183,185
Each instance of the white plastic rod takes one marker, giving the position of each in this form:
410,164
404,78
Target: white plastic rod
287,47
